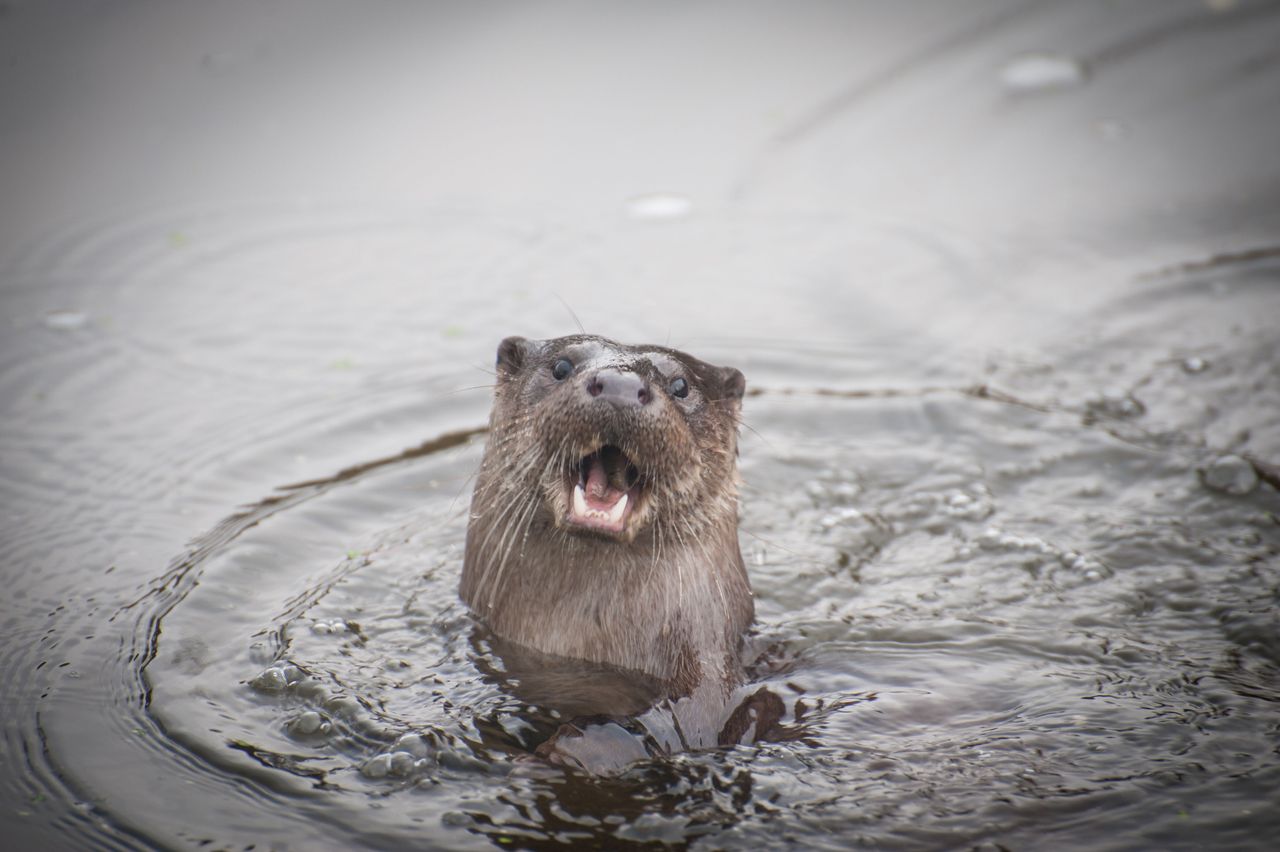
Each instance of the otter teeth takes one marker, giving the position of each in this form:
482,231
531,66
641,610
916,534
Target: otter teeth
613,516
615,513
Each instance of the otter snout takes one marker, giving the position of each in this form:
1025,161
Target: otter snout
622,389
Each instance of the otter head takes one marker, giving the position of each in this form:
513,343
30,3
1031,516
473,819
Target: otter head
604,522
618,443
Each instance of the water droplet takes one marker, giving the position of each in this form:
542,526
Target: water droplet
1229,474
658,206
65,320
1040,72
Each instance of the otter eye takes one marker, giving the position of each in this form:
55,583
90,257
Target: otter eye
679,388
561,369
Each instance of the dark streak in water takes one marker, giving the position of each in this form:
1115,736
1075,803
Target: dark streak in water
447,441
1192,24
293,764
232,527
1130,433
818,117
1224,260
914,63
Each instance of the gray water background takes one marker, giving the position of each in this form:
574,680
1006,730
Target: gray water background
1003,276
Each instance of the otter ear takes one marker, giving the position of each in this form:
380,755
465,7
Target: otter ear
512,354
732,383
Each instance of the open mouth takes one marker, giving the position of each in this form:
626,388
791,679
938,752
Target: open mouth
605,491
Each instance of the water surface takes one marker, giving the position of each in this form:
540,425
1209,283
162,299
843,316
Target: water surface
1003,284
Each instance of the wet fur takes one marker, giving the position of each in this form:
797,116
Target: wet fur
672,601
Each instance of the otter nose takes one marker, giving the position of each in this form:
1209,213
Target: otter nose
624,390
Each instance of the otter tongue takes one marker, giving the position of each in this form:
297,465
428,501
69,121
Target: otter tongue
599,488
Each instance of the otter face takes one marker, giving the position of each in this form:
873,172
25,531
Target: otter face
618,440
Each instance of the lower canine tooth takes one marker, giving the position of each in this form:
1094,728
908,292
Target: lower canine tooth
579,501
615,514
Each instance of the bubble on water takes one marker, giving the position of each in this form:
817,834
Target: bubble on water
310,688
1040,72
1229,474
395,763
277,678
377,767
1087,566
1115,403
66,320
1194,365
966,506
326,627
413,744
845,490
308,724
402,763
840,517
994,539
658,206
344,706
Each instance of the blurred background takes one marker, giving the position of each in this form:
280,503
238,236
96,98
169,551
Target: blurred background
246,244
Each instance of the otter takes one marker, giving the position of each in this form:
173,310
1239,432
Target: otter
604,520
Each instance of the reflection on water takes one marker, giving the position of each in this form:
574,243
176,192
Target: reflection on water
1003,287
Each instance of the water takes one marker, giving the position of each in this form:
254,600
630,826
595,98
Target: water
1010,443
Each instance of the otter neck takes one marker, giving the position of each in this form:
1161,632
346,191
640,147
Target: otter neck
673,609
